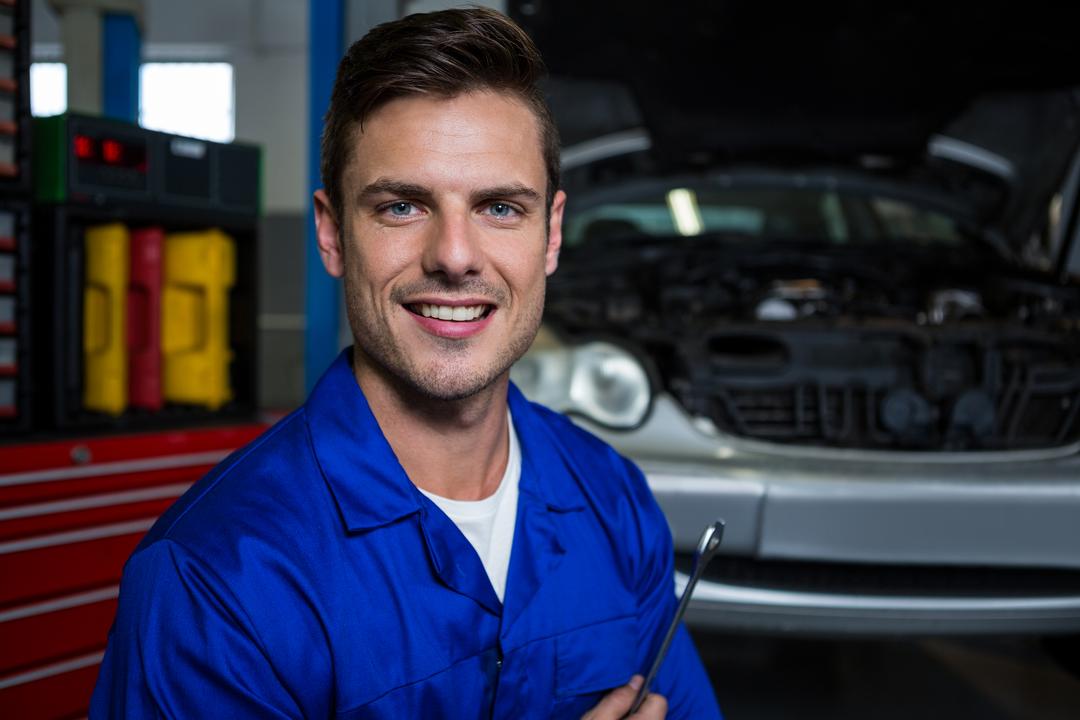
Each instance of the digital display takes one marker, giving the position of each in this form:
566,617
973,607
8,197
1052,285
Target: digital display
111,152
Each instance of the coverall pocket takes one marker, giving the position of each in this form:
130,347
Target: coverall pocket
591,661
463,690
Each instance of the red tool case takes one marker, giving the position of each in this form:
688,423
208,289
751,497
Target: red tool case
144,318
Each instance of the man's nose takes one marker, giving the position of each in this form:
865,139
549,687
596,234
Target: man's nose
452,247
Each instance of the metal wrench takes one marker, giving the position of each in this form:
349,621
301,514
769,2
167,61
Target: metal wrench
706,549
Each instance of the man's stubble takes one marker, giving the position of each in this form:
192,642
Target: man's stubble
453,375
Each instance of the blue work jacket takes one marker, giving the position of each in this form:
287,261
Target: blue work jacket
306,576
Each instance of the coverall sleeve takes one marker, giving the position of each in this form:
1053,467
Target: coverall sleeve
182,647
682,678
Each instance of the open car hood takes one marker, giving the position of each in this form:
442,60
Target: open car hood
981,102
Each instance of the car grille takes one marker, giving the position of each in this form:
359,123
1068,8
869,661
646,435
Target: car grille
1031,416
883,392
803,412
887,580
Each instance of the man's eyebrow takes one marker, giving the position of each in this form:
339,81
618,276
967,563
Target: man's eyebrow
515,190
397,188
384,186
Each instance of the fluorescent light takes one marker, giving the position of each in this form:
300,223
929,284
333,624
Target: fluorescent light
684,211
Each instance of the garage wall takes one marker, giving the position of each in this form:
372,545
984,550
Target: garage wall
271,110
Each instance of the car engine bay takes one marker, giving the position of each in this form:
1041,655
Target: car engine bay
897,347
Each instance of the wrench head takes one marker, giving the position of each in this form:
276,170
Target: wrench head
710,541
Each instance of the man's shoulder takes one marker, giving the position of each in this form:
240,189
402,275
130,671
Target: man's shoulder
259,484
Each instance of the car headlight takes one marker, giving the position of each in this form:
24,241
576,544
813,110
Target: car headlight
599,380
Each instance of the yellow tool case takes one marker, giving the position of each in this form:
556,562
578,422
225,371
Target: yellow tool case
200,270
105,362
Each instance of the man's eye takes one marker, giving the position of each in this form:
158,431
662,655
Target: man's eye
501,210
401,209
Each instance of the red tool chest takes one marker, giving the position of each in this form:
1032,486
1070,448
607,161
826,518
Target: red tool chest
70,514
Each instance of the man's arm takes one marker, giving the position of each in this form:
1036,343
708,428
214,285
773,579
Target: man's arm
182,647
682,678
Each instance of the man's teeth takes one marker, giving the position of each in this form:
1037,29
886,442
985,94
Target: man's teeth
446,312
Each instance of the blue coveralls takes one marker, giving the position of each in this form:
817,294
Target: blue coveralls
306,576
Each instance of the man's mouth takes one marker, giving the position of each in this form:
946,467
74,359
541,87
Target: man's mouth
453,313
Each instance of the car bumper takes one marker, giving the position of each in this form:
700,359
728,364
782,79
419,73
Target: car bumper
975,511
740,608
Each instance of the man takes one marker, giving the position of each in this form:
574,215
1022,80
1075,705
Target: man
417,540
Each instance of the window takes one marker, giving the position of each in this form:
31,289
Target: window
48,88
194,99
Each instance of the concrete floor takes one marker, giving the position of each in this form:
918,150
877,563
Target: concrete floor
976,679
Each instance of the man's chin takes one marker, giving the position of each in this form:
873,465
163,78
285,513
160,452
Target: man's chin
452,386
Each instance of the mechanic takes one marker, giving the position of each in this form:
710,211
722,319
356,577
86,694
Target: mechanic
417,540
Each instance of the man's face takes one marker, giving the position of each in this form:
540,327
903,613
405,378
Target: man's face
445,241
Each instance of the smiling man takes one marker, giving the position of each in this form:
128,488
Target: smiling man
417,540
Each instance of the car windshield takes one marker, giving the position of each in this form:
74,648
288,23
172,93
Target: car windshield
789,214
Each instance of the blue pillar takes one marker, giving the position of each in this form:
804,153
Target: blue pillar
121,55
326,29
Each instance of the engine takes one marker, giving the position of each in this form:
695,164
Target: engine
925,352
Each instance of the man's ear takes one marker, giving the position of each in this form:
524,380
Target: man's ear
554,240
328,235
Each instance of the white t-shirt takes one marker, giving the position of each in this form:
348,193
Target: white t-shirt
488,524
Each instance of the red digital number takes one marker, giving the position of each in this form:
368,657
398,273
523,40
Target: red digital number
112,152
85,147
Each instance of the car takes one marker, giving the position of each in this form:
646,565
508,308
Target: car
831,296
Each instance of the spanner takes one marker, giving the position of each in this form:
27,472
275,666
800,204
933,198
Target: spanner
706,549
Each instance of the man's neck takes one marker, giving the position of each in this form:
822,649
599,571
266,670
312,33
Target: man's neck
453,448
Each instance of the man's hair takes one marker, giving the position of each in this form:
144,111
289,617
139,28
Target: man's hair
442,54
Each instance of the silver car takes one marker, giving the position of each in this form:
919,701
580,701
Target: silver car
860,348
